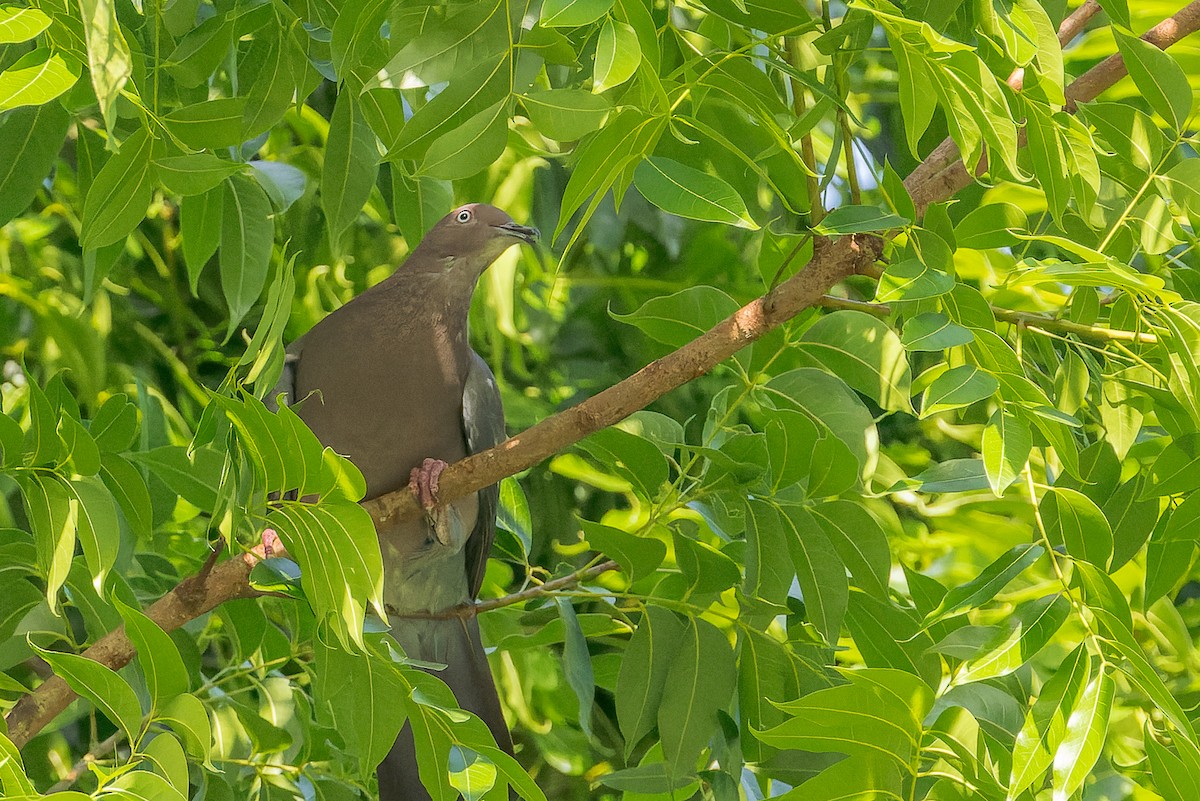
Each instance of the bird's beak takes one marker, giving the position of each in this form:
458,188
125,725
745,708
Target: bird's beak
523,232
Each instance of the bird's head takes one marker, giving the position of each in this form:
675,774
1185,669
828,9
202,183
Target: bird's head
472,236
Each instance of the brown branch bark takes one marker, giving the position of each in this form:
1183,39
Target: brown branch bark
832,261
936,186
193,597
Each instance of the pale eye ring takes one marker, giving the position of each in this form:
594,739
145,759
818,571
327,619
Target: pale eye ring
463,216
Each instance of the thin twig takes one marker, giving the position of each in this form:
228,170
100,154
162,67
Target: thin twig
527,594
1035,321
807,154
102,749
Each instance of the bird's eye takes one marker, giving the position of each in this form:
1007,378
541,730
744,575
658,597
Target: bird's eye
464,216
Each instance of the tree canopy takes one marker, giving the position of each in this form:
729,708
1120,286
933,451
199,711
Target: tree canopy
855,395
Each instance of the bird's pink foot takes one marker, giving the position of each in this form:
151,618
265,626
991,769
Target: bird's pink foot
270,545
424,481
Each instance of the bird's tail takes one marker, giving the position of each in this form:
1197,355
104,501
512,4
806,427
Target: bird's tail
456,644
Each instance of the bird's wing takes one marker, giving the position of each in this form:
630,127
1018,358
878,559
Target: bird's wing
483,426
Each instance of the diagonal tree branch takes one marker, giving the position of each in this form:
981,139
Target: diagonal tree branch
933,185
946,154
831,263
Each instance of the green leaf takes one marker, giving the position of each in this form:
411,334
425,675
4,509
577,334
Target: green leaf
573,13
53,520
707,570
195,478
200,224
864,353
1132,519
167,759
100,685
247,233
1046,722
513,514
438,52
618,55
128,487
957,387
341,567
1007,442
201,49
471,147
910,279
767,576
350,167
17,596
37,78
466,96
990,226
791,441
186,715
699,683
933,331
109,60
418,203
638,556
602,159
115,425
860,541
1086,730
210,124
859,220
193,174
166,676
984,587
1023,635
566,114
1048,154
13,780
833,405
361,696
21,24
96,512
283,183
42,445
853,779
30,141
273,85
891,636
1177,468
471,773
1172,776
819,570
1072,518
577,663
630,456
677,319
878,713
118,197
1159,78
142,784
687,192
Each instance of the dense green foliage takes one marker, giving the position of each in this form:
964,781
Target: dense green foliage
933,541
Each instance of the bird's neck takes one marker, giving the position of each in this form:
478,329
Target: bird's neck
432,310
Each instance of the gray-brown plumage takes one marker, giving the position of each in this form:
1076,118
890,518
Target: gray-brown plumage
390,381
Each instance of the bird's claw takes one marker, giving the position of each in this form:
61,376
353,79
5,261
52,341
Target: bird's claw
270,545
424,482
